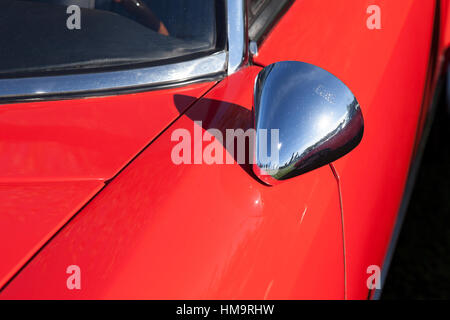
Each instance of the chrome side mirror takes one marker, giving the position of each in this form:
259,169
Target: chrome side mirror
305,116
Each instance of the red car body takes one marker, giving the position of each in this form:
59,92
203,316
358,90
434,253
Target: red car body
90,181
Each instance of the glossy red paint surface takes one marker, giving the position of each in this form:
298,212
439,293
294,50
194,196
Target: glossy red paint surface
83,139
160,230
31,213
445,24
56,155
386,70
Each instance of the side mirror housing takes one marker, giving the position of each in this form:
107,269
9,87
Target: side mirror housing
305,116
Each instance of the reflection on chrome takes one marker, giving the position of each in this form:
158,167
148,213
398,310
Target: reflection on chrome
113,80
318,117
236,34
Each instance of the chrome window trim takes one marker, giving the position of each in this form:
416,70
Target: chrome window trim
114,80
237,34
219,63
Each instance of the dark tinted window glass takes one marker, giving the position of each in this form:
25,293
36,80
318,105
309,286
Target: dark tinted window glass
262,14
41,36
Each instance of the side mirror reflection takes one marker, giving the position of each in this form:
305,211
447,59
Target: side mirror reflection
315,116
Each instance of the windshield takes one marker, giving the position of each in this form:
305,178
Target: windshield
60,36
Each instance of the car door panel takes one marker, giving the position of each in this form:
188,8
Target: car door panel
386,70
198,231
